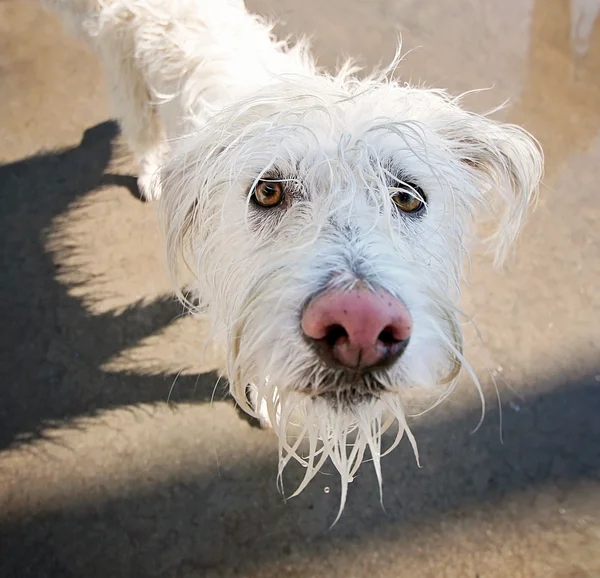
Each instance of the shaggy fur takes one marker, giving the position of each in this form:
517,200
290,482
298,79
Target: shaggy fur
205,93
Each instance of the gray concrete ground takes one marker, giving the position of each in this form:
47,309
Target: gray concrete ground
99,477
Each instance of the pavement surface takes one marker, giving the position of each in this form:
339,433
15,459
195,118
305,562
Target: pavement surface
101,477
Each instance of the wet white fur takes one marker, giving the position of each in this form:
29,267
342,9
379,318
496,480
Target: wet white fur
204,91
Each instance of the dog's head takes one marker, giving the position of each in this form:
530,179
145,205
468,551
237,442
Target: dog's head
326,222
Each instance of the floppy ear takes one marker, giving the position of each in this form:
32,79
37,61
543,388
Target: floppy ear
188,179
506,163
178,213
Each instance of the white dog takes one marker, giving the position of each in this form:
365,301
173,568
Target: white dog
325,218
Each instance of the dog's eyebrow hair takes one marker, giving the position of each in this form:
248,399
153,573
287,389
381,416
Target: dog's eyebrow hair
395,174
293,183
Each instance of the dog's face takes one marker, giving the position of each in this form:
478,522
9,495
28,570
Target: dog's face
326,234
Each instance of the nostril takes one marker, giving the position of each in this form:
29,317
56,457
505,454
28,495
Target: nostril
387,336
334,334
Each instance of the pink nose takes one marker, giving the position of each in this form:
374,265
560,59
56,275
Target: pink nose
358,329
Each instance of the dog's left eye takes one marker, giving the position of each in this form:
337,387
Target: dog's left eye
411,200
268,194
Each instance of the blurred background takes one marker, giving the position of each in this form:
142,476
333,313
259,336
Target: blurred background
101,477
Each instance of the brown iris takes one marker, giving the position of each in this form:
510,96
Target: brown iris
268,194
409,201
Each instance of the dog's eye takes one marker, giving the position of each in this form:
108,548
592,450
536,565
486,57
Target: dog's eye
411,200
268,194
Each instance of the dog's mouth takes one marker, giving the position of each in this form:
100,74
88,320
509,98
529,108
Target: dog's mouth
345,388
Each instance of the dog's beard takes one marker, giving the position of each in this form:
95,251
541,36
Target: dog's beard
319,413
339,425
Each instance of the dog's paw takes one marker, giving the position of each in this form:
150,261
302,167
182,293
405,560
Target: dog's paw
260,408
263,417
149,184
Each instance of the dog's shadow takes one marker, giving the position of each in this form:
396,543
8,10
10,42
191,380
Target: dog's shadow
39,315
236,523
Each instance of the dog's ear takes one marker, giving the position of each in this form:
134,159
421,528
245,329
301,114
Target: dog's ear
506,163
178,214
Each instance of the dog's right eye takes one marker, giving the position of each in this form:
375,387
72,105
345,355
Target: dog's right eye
268,194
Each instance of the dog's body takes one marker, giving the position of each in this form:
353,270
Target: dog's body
324,217
173,64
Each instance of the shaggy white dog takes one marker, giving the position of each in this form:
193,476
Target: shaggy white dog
325,218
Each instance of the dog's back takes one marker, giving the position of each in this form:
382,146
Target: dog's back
204,52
